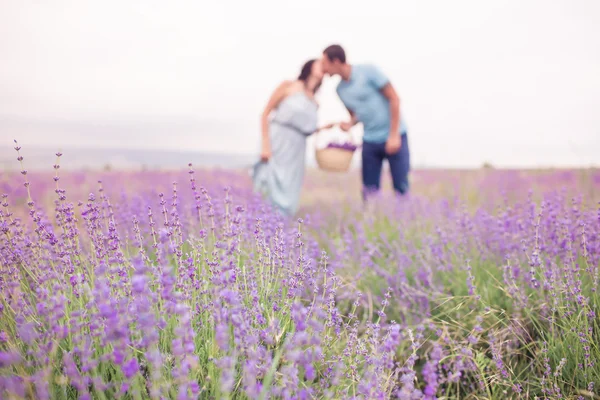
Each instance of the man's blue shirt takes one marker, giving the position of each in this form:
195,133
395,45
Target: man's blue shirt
361,94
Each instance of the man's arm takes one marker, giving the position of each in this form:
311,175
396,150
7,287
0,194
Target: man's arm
380,81
390,93
383,84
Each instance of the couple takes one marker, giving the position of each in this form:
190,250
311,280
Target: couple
370,99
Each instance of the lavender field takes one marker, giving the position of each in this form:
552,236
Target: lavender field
185,285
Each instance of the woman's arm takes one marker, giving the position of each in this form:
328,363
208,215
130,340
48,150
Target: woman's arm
274,100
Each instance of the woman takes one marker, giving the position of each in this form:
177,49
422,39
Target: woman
280,171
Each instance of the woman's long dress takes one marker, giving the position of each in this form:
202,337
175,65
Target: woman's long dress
280,179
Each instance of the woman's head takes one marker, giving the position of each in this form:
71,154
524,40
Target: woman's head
312,73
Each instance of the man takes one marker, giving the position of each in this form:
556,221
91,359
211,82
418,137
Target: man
371,99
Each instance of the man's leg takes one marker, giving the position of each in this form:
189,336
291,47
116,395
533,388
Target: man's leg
372,160
400,166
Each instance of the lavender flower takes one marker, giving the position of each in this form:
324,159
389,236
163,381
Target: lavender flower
152,289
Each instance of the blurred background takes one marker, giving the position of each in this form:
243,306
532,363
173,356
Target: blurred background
156,84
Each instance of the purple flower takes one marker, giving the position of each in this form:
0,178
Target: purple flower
138,283
130,368
309,372
8,358
118,356
222,336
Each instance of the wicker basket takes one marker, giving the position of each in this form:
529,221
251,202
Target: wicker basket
334,159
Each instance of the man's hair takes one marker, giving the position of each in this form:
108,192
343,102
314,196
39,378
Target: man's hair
335,52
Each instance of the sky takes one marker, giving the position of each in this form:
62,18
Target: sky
515,83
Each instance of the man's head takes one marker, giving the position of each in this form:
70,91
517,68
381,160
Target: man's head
334,59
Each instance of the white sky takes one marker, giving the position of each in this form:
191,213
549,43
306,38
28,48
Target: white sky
516,83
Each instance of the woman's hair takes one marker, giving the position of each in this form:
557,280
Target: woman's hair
306,71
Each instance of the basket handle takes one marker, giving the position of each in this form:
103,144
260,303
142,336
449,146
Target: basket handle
328,126
325,127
